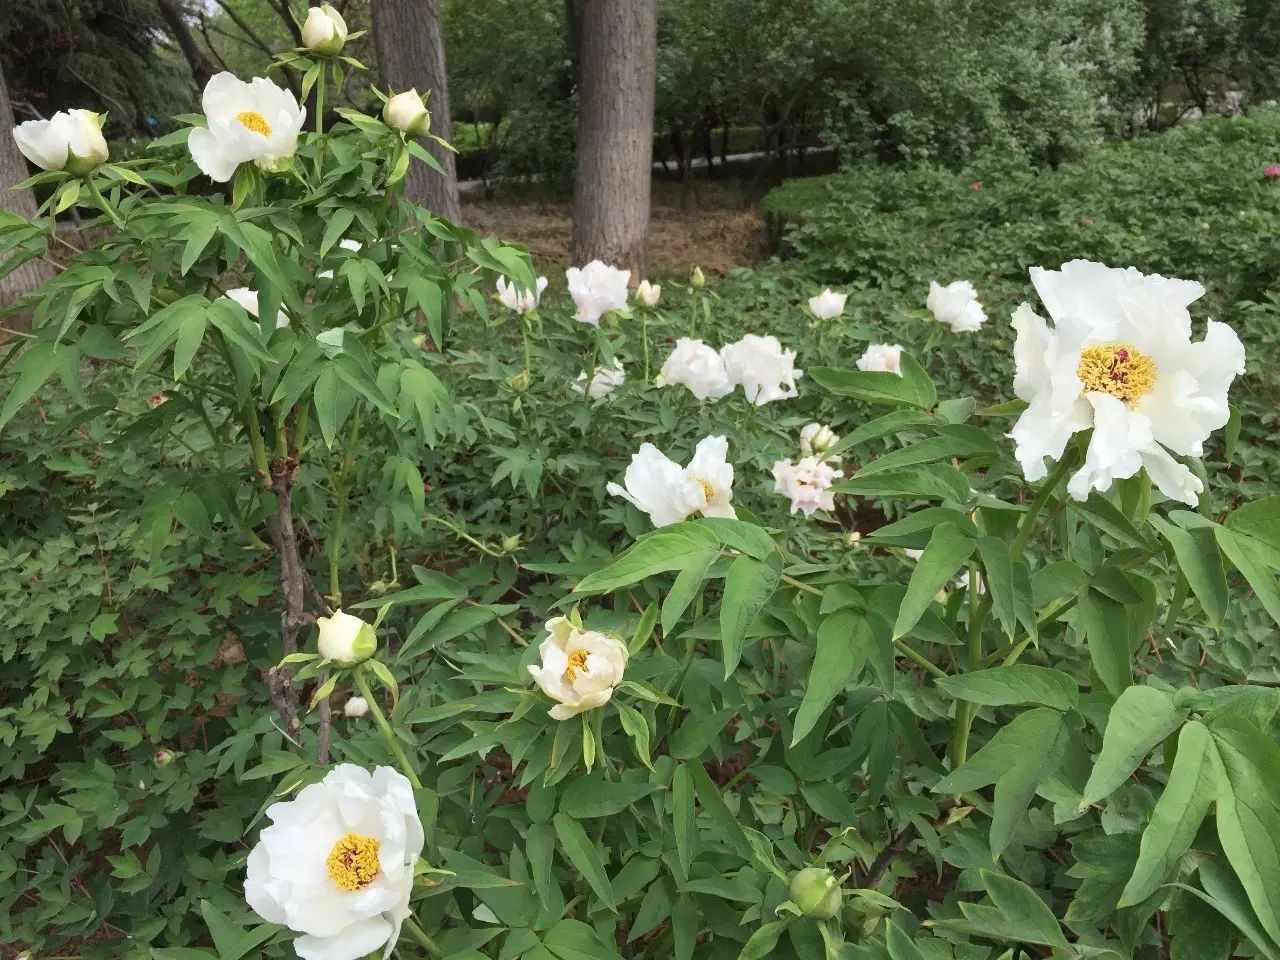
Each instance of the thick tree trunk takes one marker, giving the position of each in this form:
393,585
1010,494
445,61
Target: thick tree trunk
13,169
615,133
174,18
409,38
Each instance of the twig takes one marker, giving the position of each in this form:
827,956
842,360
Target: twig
293,578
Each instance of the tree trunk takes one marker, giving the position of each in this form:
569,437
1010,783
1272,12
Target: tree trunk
409,38
201,69
33,274
615,134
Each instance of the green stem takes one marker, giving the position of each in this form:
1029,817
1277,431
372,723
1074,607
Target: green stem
102,203
342,491
375,710
693,313
801,585
964,709
644,332
424,940
320,122
259,448
1028,525
591,370
524,337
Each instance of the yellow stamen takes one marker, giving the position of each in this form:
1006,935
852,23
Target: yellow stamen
353,861
1118,369
252,120
708,491
577,661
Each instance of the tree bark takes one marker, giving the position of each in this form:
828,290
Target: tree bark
201,69
409,38
33,274
615,133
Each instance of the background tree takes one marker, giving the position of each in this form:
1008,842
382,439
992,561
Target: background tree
615,133
13,169
409,36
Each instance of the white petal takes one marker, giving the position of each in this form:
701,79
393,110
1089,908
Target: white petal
354,942
1172,478
1118,435
209,156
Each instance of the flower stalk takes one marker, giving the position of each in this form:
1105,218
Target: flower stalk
380,718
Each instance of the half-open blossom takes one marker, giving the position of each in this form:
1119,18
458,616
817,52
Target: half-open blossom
579,668
256,121
828,305
762,368
648,293
249,300
70,140
669,493
324,31
407,112
817,438
518,298
336,865
345,639
697,366
882,357
807,483
1119,359
597,289
605,381
956,305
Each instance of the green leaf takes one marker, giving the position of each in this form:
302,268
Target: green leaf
684,819
957,441
589,797
34,366
686,586
899,945
1259,520
1019,683
761,943
1106,632
654,553
1026,915
747,588
1193,783
912,389
843,638
428,395
948,548
190,334
1253,561
936,481
709,796
998,573
1201,563
637,728
338,222
584,857
1140,719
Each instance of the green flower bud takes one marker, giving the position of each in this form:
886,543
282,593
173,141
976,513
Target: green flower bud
816,892
696,279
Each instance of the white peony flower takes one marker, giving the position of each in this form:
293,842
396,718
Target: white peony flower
336,865
828,305
255,121
249,300
762,368
579,668
885,358
597,289
407,113
355,707
604,382
345,639
695,365
817,438
517,298
70,140
807,483
324,31
956,305
1119,358
669,493
648,293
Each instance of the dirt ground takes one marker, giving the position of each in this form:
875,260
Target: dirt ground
717,231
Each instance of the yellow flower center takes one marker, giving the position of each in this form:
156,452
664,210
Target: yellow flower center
252,120
708,491
577,661
1118,369
353,861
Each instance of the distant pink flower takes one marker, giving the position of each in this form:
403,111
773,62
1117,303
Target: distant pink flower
156,399
1272,172
976,185
1086,221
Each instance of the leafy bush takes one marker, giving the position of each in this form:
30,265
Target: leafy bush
1051,732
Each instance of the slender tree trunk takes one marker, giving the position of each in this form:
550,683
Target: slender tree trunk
409,38
615,133
33,274
201,69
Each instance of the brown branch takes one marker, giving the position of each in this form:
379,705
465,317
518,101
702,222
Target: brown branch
325,712
244,28
293,578
201,70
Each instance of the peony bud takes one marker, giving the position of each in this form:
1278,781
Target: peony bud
70,140
816,893
511,544
519,381
355,708
345,639
163,757
852,539
816,438
325,31
407,113
648,293
696,279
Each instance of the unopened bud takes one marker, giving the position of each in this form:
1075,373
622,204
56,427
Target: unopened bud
519,382
511,544
816,893
163,757
852,539
356,707
696,279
